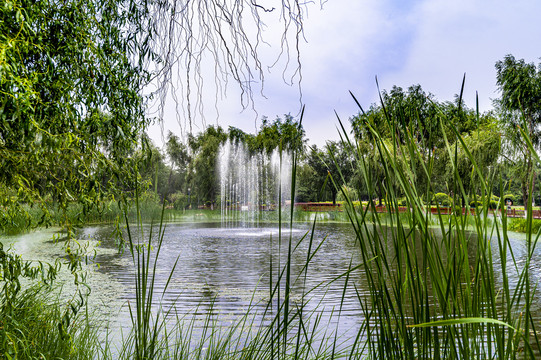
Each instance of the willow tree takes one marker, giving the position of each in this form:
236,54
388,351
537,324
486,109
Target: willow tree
69,99
217,43
520,105
77,78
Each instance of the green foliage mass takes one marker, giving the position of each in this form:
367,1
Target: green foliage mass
442,199
413,116
200,159
70,106
520,115
521,225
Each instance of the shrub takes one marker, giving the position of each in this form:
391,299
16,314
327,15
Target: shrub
521,225
178,200
442,199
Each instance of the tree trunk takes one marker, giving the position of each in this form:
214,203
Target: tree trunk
524,187
380,195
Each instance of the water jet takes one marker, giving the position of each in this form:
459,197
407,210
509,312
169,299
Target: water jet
251,183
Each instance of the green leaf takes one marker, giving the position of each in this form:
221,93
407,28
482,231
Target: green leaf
472,320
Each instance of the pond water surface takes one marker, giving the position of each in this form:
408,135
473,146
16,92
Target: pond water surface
226,271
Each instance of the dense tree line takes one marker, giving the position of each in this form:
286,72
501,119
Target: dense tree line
72,125
439,130
185,173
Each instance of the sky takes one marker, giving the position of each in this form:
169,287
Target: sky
348,43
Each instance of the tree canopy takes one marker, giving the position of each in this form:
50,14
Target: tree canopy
427,123
70,101
520,106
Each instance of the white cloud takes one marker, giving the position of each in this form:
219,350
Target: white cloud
430,42
468,37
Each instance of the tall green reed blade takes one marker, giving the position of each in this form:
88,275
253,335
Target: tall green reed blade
147,328
531,241
289,253
452,278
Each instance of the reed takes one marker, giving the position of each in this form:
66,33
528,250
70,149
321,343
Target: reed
433,292
432,279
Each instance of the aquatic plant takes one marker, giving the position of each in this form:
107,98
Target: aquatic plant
455,309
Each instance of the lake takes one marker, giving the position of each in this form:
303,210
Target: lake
223,272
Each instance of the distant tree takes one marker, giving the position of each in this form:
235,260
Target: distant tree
484,145
286,132
340,164
202,174
177,152
411,113
481,134
520,103
412,109
153,169
236,135
180,158
320,168
418,116
305,191
312,181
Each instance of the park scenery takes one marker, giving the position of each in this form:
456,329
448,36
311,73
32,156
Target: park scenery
411,235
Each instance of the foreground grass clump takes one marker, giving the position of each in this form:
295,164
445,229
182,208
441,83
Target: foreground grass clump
34,326
39,328
433,278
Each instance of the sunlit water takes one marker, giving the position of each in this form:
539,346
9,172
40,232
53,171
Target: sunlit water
226,271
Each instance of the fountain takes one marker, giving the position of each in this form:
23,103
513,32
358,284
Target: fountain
251,183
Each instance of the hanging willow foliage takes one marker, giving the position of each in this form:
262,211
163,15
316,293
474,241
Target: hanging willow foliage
77,78
215,42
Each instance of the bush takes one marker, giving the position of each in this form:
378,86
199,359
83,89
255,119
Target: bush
442,199
179,200
521,225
